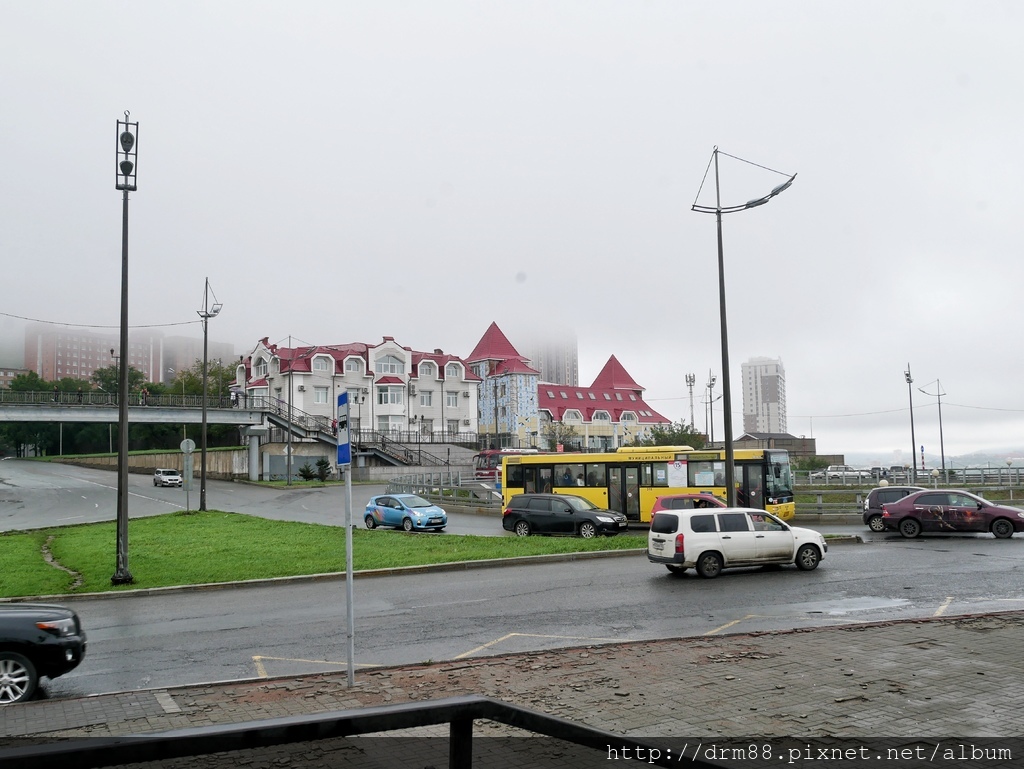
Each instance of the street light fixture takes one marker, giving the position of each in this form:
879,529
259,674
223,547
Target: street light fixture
913,440
718,209
126,159
938,394
208,311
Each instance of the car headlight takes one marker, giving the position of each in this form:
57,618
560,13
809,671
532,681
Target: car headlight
605,519
58,627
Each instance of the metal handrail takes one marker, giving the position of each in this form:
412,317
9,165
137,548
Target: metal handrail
459,712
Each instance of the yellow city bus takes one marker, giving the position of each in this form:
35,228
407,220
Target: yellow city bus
630,479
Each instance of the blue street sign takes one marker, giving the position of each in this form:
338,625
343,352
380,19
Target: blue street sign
344,436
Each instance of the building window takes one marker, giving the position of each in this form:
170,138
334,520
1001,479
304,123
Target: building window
389,364
426,397
453,370
451,398
389,395
601,416
353,365
453,426
320,395
427,369
260,369
320,364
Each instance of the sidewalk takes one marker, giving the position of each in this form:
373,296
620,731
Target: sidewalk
935,678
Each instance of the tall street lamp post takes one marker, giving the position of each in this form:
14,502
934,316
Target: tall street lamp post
126,158
208,311
913,440
718,210
938,394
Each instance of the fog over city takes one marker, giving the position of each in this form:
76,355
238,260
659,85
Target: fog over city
345,171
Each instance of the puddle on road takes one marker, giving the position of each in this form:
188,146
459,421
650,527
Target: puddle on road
845,605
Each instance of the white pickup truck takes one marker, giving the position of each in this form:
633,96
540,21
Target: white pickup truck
843,472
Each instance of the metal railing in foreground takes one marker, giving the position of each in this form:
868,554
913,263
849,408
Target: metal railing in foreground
458,712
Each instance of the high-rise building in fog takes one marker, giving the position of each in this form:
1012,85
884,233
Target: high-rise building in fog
764,396
557,359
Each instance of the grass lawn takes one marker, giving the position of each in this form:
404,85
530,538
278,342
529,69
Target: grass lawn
189,548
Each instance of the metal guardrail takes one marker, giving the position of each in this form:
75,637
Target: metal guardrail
458,712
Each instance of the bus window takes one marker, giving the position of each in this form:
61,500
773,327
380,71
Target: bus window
595,475
707,473
515,475
568,475
660,473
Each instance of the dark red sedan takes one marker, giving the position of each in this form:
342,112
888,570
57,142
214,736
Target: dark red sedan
685,502
950,510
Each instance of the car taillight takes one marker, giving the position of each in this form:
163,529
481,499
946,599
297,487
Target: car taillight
679,543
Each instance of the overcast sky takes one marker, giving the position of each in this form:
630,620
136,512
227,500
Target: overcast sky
343,171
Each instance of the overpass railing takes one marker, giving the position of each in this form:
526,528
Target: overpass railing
460,713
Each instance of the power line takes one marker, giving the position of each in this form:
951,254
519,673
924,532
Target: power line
91,325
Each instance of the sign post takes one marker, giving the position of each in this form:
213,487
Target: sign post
345,465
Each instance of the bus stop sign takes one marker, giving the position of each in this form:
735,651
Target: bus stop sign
344,437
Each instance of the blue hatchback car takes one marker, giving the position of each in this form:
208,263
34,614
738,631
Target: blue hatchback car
406,511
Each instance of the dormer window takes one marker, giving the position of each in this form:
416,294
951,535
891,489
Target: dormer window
389,364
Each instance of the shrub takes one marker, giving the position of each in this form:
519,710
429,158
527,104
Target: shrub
323,469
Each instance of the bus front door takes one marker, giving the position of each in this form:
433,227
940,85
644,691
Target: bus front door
624,491
750,486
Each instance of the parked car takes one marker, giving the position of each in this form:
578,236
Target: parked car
948,510
880,496
36,639
712,540
686,502
164,476
528,514
410,512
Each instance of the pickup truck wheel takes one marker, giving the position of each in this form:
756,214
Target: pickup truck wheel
18,678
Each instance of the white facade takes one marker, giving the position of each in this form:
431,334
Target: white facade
392,389
764,396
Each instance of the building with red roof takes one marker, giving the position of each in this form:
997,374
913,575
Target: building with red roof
393,390
518,409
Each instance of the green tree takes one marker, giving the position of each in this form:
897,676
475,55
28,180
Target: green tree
557,433
677,434
106,379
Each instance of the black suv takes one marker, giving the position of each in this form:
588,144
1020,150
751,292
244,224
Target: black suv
36,639
559,514
880,496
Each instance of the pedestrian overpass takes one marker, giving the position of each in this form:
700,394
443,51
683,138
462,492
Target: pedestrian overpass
256,415
67,407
